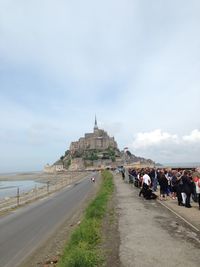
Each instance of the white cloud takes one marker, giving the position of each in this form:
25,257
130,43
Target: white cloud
166,147
153,138
193,137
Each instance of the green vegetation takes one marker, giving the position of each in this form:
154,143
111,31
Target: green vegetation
67,163
82,249
91,155
67,152
77,154
109,153
95,154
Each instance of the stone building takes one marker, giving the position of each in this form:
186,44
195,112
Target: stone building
98,140
56,167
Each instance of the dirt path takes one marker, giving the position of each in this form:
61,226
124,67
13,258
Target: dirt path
110,234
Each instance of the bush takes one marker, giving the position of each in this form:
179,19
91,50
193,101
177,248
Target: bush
81,255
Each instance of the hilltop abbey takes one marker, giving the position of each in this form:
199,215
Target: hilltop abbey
98,140
94,151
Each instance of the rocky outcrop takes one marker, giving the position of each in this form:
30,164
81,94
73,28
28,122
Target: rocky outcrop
130,158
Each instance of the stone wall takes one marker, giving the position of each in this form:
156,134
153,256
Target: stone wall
98,140
77,164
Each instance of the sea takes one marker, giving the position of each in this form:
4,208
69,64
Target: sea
11,188
181,164
13,183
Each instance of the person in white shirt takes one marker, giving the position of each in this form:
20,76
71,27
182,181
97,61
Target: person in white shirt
146,182
146,179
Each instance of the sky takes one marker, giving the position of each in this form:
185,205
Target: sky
133,63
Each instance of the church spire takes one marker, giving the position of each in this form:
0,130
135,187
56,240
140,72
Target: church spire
95,124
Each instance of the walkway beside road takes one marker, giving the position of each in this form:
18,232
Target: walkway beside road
151,235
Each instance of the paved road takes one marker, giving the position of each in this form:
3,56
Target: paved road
23,231
151,235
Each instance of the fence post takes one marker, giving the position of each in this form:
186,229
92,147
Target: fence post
17,196
35,191
48,187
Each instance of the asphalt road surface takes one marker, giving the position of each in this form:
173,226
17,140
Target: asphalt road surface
25,229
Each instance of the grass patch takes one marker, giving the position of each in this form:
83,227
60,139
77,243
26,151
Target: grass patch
82,249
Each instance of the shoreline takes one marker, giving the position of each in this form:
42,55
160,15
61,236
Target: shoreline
40,176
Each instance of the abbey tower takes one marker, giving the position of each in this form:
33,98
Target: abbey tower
98,140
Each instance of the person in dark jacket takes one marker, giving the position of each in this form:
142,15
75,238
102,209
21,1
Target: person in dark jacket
179,190
163,182
187,188
174,182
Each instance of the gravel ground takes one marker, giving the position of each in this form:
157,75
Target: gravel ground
110,234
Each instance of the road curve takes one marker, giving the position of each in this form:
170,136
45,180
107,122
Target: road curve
23,231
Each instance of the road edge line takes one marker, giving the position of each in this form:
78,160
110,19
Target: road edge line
178,215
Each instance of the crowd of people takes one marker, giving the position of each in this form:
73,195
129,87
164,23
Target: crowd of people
177,184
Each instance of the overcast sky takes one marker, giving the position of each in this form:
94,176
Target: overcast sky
133,63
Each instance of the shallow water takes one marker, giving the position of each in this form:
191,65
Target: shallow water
9,188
